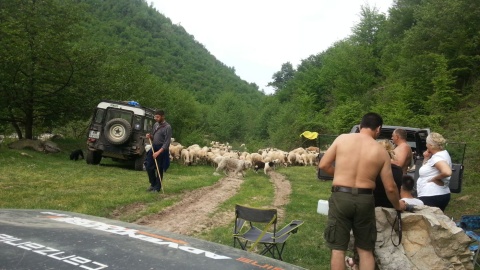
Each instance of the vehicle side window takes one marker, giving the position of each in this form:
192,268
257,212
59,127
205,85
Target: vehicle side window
99,115
148,124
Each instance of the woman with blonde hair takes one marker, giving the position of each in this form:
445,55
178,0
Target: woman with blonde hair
434,176
389,147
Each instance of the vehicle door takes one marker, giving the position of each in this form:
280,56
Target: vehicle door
457,153
420,147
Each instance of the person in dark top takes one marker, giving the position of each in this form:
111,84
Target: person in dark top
161,137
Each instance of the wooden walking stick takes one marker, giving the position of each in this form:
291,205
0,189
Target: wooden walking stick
156,165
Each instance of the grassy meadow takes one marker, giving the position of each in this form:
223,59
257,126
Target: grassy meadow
33,180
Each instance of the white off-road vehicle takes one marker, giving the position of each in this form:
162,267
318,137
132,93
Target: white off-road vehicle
117,131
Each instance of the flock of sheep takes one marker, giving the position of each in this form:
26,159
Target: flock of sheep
227,160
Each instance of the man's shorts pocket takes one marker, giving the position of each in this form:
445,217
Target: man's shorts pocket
329,233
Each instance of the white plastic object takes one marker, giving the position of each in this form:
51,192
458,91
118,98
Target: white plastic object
322,207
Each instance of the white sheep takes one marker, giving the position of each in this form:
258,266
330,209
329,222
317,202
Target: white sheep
291,158
194,157
185,156
231,164
175,150
255,157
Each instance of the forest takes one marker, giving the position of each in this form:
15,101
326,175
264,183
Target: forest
417,66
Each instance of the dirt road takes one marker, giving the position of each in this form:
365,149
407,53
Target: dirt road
193,213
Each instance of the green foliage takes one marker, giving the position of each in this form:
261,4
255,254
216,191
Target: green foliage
366,32
227,117
345,116
281,79
393,108
42,59
284,127
348,71
74,129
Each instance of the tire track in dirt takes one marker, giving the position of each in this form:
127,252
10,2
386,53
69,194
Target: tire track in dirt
193,214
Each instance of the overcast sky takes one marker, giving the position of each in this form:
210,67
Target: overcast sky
257,36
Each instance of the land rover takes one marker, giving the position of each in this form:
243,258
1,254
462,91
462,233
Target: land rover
117,130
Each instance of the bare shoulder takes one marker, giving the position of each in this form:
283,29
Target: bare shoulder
346,136
339,139
407,147
404,147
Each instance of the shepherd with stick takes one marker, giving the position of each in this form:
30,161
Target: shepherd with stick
158,158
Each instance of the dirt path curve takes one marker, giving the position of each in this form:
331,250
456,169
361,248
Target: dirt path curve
193,213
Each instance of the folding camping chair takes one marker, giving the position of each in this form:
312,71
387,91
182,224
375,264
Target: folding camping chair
249,236
471,225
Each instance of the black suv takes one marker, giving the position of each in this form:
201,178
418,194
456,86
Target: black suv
117,131
416,138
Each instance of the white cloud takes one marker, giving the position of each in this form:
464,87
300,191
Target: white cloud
257,37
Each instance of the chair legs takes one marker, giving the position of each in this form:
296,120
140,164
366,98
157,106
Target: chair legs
475,257
275,250
242,245
475,247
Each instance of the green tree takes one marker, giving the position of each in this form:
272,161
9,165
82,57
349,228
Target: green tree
367,30
348,71
41,62
227,118
281,79
183,112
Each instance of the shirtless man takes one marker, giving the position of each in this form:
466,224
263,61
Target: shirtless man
358,158
403,151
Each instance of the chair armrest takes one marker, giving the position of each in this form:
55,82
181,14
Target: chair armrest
292,227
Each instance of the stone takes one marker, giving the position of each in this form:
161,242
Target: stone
37,145
430,240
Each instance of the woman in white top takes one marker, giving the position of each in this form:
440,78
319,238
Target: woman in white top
434,176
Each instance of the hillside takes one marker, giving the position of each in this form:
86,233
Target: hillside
167,49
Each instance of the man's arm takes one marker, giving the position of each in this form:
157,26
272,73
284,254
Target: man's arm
389,184
168,138
326,163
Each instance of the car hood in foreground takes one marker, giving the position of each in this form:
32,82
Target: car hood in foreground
50,239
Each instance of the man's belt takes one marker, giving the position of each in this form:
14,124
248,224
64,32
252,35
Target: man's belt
352,190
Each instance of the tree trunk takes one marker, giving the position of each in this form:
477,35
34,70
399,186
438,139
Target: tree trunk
15,125
29,125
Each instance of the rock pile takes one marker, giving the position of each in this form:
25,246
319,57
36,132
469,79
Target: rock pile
430,240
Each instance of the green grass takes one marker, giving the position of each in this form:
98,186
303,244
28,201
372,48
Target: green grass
52,181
